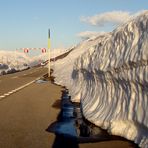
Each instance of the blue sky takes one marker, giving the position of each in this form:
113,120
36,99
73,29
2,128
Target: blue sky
25,23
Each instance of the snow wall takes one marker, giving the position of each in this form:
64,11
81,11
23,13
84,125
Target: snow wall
109,76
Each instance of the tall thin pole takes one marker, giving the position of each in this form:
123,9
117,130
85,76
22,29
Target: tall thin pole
49,53
15,58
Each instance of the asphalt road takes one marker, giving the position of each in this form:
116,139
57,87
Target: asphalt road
26,114
13,81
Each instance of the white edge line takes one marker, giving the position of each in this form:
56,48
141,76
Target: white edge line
17,89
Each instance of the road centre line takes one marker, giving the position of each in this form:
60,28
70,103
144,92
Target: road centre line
14,77
17,89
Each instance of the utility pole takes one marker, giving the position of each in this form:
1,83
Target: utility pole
49,53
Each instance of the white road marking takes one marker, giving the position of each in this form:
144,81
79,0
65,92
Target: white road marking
17,89
7,94
1,97
13,91
21,87
14,77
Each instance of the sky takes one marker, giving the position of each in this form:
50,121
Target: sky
25,23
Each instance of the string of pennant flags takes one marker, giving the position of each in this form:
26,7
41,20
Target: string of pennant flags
27,50
43,50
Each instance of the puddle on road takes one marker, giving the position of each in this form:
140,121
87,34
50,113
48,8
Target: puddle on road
40,81
71,125
71,128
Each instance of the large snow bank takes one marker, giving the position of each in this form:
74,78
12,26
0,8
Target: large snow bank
109,75
63,68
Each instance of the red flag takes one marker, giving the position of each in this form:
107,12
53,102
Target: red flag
26,50
43,50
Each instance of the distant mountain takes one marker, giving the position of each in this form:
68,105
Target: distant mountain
109,74
13,61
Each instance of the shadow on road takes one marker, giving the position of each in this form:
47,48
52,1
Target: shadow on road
64,142
72,129
64,126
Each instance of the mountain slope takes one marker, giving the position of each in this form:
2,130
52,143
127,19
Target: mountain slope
12,61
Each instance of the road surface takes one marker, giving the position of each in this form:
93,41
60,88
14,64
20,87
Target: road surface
26,114
13,81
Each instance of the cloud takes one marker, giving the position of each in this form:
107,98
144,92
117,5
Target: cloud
107,18
89,34
114,17
140,12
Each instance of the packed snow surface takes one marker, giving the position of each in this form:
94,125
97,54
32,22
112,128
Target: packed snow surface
108,74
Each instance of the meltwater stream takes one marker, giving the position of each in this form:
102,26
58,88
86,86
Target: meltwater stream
71,128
